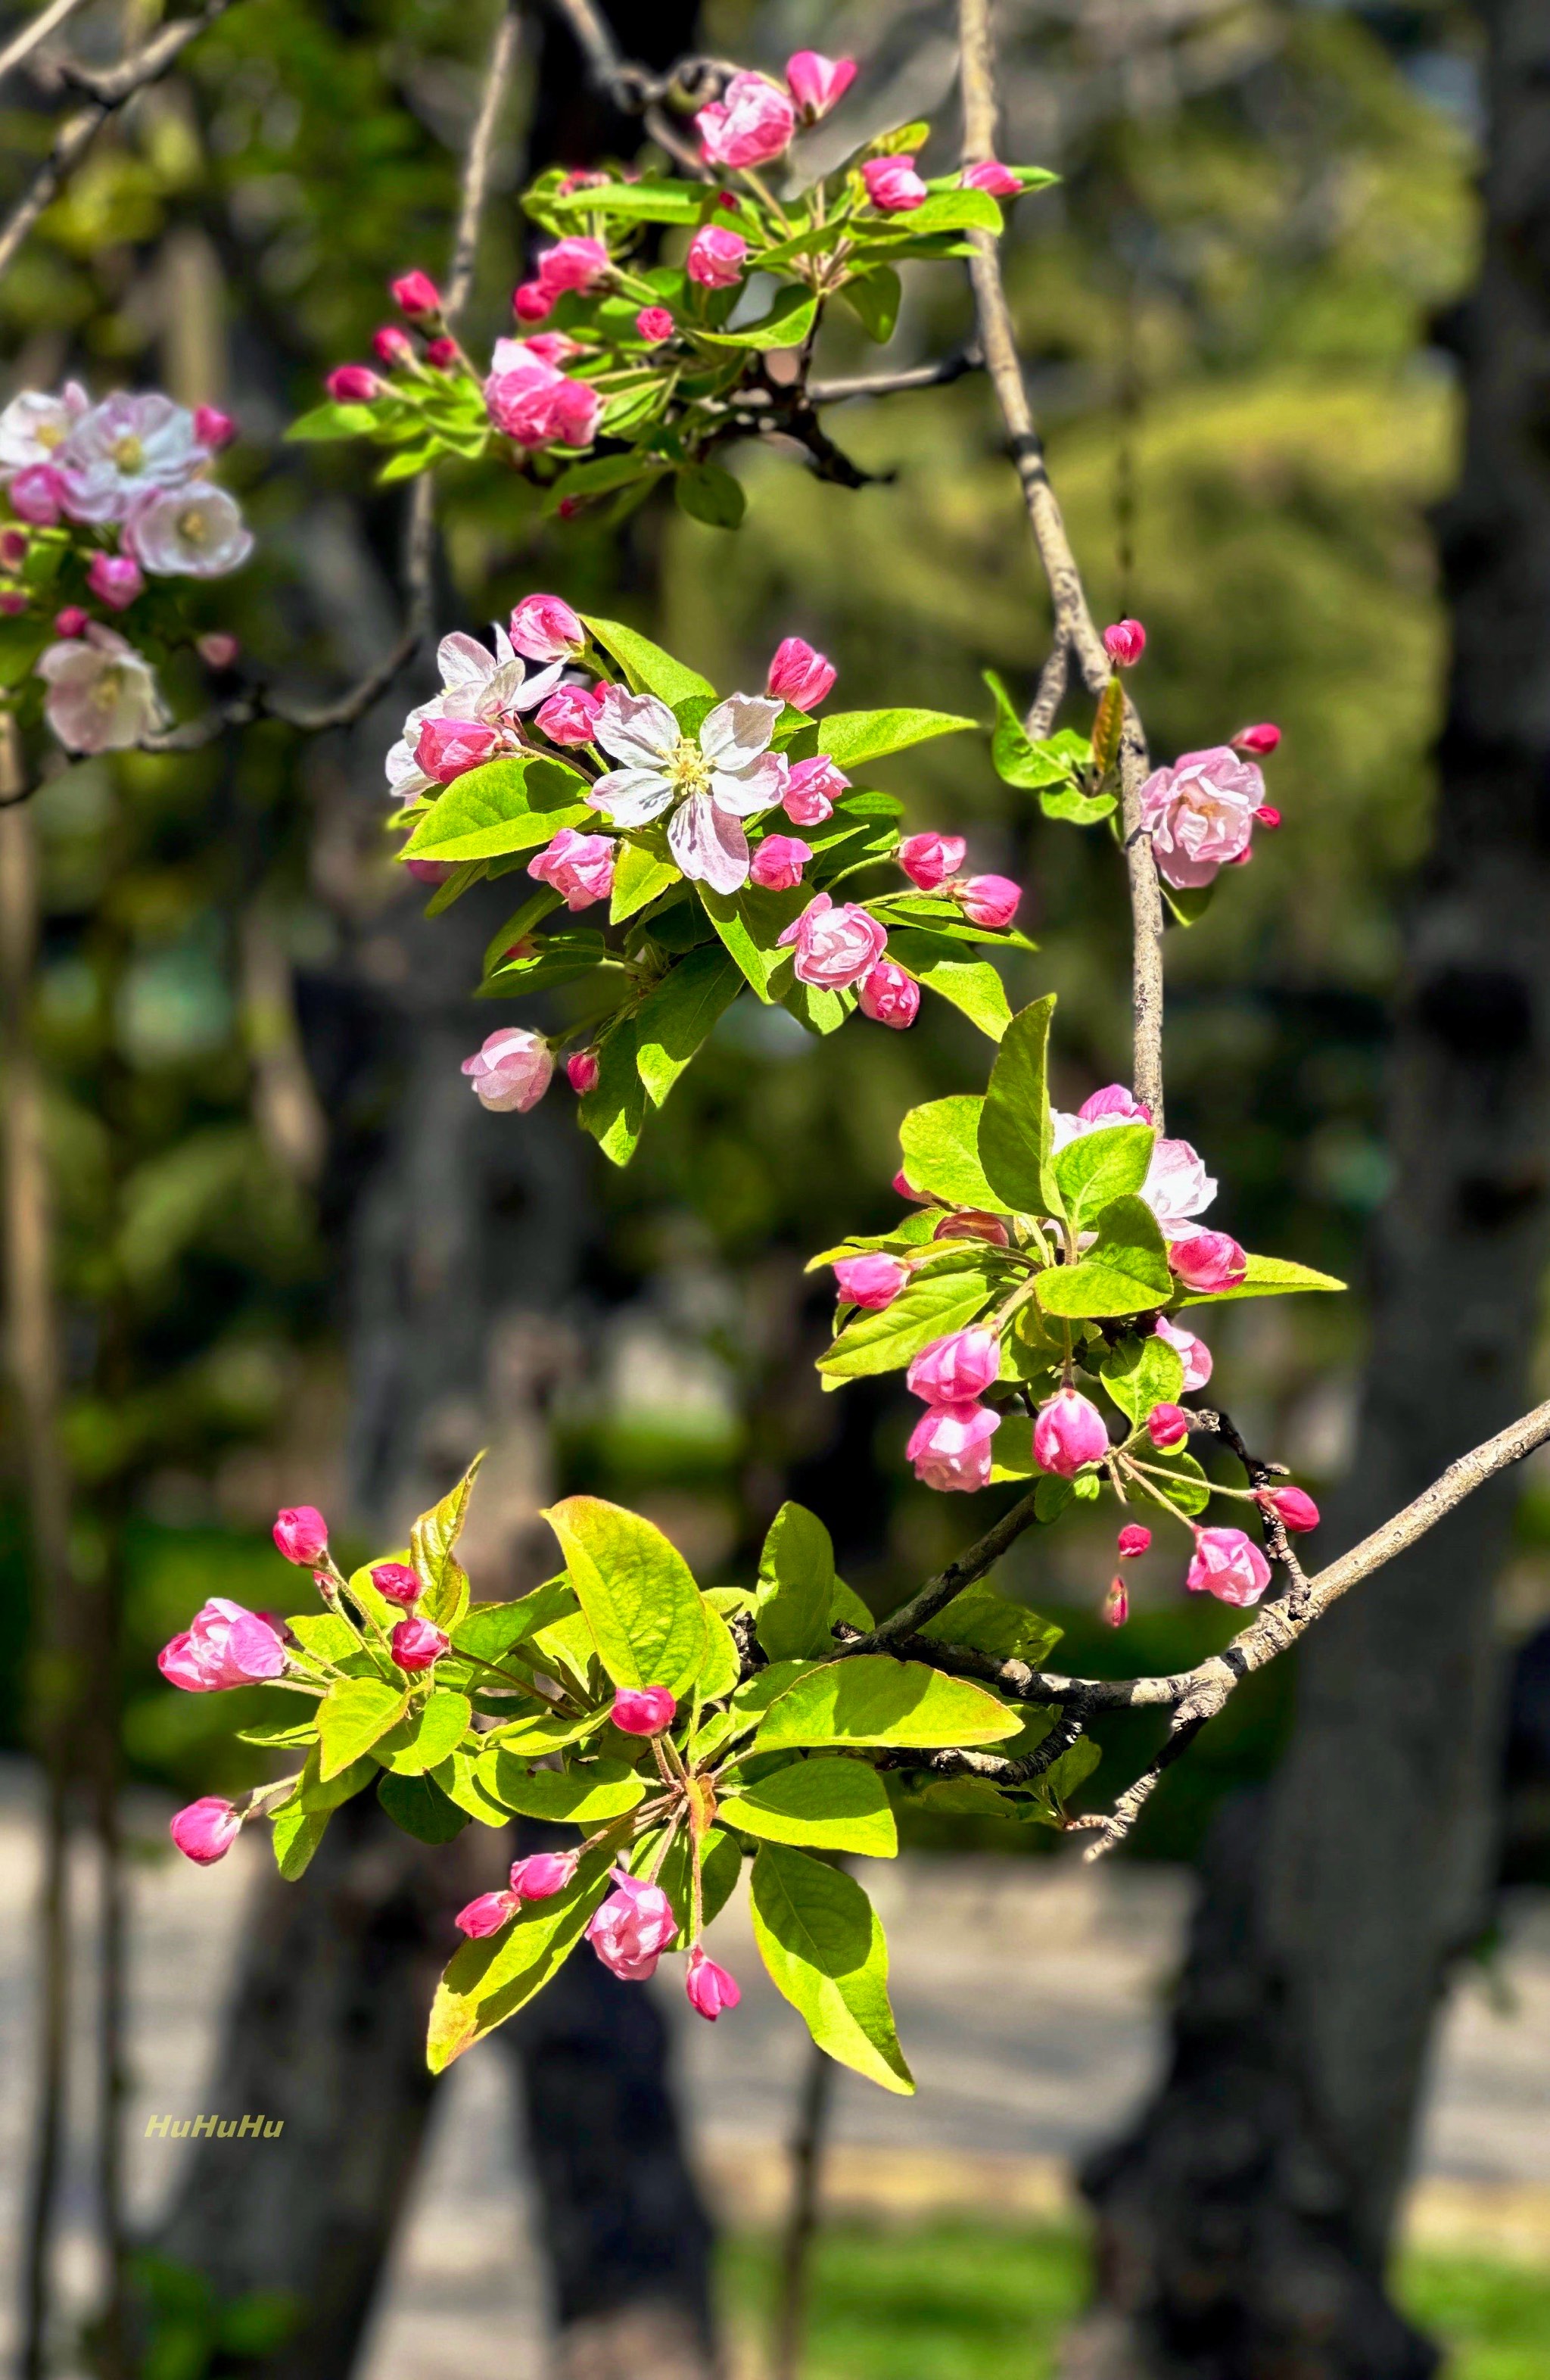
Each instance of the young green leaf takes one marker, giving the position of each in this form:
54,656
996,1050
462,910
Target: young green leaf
351,1717
1125,1271
638,877
459,1781
679,1013
940,1147
945,1295
667,202
943,965
874,297
1029,766
1184,1485
418,1805
710,494
723,1663
828,1804
820,1939
424,1740
1015,1131
489,1981
534,910
797,1586
851,736
614,1112
584,1796
786,326
989,1622
1102,1166
1141,1373
649,669
296,1834
503,805
637,1592
444,1583
873,1699
1266,1277
488,1630
1109,725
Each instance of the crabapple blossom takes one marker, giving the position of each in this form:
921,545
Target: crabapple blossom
393,346
812,789
655,324
1168,1427
1227,1565
353,385
578,263
1116,1604
491,689
894,185
578,865
543,628
102,695
992,175
301,1534
1113,1104
543,1874
570,717
906,1189
817,83
1194,1352
956,1370
928,859
415,294
950,1447
871,1282
530,399
1135,1539
709,1987
799,675
447,748
192,532
1294,1507
206,1829
1207,1262
1177,1187
889,996
1199,814
213,428
531,301
70,622
397,1582
125,448
224,1645
1263,737
835,947
643,1710
779,862
989,900
974,1223
715,257
582,1070
217,649
443,353
710,782
551,347
751,123
631,1928
114,580
38,494
35,425
417,1643
1125,643
510,1071
1069,1433
486,1915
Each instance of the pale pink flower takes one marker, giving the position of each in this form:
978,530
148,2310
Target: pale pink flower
1177,1187
894,185
1125,643
1206,1260
799,675
835,947
206,1830
417,1643
950,1447
812,790
102,695
571,264
224,1645
632,1928
114,580
126,448
818,83
1296,1508
778,861
582,1070
492,690
532,402
871,1282
1113,1104
37,494
1200,813
643,1710
578,865
1195,1353
928,859
889,996
192,532
710,782
1227,1565
752,122
956,1370
570,716
655,324
301,1534
397,1582
511,1071
486,1915
709,1987
1134,1540
1069,1434
989,900
715,257
415,294
35,425
1168,1427
543,1874
992,175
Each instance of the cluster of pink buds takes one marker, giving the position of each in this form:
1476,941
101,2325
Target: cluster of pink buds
949,1446
932,862
537,1878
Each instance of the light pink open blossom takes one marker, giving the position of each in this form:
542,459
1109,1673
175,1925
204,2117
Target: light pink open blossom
988,901
570,716
950,1447
486,1915
711,1988
1207,1261
543,1874
715,257
992,175
576,263
1069,1434
126,448
799,675
115,580
779,862
491,689
224,1645
889,996
1193,1351
578,865
632,1928
1200,813
956,1370
928,859
544,628
35,425
510,1071
1177,1187
835,947
643,1710
871,1282
205,1831
817,83
752,122
102,694
710,782
1227,1565
812,789
894,185
192,532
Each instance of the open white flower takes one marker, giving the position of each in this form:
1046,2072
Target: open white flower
192,532
494,688
126,448
101,693
35,425
712,783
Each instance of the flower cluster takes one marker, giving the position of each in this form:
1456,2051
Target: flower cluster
103,501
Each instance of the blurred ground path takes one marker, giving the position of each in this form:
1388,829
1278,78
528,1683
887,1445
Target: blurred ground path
1029,1999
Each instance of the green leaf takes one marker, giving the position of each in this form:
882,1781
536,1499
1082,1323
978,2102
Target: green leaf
1189,903
443,1584
831,1805
992,1623
614,1112
296,1834
1017,761
972,985
721,1865
1051,1497
418,1805
786,326
797,1586
316,1791
1185,1486
637,1591
874,299
351,1717
851,736
1062,1777
1102,1166
1141,1373
710,494
952,211
1266,1277
668,202
519,925
559,957
750,923
1076,808
678,1014
327,1636
638,877
756,1694
1125,1271
488,1630
1016,1130
1109,725
940,1146
649,669
579,1797
334,421
723,1663
942,1296
873,1699
459,1781
821,1940
504,805
489,1981
424,1740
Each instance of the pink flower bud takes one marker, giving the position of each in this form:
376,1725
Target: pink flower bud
950,1447
812,789
393,346
70,621
353,385
817,83
578,865
14,544
301,1534
906,1190
1208,1260
213,428
443,353
447,748
1263,738
711,1988
1296,1508
511,1071
544,628
1168,1427
416,294
217,649
1194,1352
206,1830
1113,1104
974,1223
928,859
715,257
554,348
1125,643
582,1070
632,1928
417,1644
889,996
1267,816
543,1874
37,494
655,324
1069,1434
644,1710
871,1282
13,603
397,1582
576,263
531,303
115,580
752,122
486,1915
430,871
1134,1540
1116,1604
225,1644
894,185
798,674
570,716
779,862
835,947
958,1369
1227,1565
992,175
989,900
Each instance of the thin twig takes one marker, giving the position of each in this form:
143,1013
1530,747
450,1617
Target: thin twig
938,375
504,52
802,2221
940,1591
36,30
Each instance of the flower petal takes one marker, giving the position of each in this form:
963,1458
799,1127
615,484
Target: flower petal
635,728
738,730
754,788
710,846
631,796
463,661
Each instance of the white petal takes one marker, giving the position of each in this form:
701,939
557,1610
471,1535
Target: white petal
535,688
710,846
744,791
505,650
463,661
738,730
631,796
635,728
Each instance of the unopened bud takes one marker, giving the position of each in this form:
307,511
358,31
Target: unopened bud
582,1071
1263,738
1135,1539
1268,815
1294,1506
1116,1605
1168,1427
1125,643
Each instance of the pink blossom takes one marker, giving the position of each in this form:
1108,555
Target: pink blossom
206,1830
1069,1434
644,1710
38,494
582,1070
709,1987
35,425
551,347
192,532
1227,1565
871,1282
779,862
415,294
447,748
1195,1353
213,428
1135,1539
1205,1261
224,1645
798,674
531,301
486,1915
1267,816
894,185
578,865
393,346
1125,643
1116,1604
70,622
571,264
818,83
217,649
835,947
532,402
752,122
1200,813
510,1071
1260,738
353,385
14,547
655,324
126,448
889,996
576,412
417,1644
715,257
102,694
397,1582
989,900
632,1928
1168,1427
992,175
812,790
956,1370
928,859
1295,1507
1113,1104
1177,1187
570,716
443,353
950,1447
301,1534
114,580
13,603
974,1223
543,1874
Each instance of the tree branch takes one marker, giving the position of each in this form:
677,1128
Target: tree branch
36,32
504,53
938,375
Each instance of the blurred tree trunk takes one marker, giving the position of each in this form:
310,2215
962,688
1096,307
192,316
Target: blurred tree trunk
1244,2227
